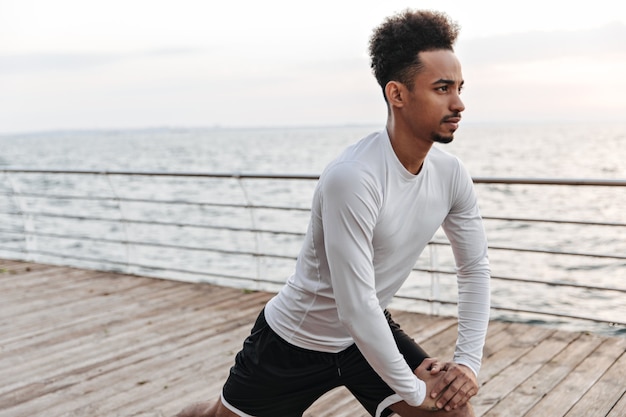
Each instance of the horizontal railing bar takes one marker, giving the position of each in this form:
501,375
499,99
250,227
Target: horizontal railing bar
563,315
543,251
251,175
516,310
551,181
304,209
152,244
440,243
529,281
155,201
233,175
158,223
424,299
559,284
555,252
535,220
151,267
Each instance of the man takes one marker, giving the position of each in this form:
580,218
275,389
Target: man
374,210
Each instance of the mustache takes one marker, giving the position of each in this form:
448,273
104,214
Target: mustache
456,115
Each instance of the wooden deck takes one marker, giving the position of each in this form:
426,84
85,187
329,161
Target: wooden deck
86,343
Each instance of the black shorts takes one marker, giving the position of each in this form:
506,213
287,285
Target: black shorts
272,377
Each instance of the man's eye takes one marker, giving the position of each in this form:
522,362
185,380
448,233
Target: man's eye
443,88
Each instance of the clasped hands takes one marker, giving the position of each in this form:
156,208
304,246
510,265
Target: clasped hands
448,385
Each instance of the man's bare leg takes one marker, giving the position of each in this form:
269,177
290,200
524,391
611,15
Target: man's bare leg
217,409
206,409
405,410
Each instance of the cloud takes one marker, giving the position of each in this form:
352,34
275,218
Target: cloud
605,41
523,76
43,62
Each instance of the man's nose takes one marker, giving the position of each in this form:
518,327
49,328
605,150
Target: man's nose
457,104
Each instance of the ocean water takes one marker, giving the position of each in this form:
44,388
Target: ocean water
576,150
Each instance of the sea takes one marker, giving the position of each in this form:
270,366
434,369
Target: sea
574,150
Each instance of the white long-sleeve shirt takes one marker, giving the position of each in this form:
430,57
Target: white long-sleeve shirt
370,221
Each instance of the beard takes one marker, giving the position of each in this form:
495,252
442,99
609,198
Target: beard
442,139
436,137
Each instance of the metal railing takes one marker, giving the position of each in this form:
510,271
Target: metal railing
237,229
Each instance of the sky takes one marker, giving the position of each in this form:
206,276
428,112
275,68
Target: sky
115,64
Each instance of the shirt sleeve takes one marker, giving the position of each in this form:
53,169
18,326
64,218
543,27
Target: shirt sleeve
465,230
350,206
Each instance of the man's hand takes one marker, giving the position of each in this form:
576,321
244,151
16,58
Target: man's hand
427,372
457,385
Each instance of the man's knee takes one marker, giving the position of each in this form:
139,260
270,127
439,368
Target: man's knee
464,411
222,411
202,409
404,410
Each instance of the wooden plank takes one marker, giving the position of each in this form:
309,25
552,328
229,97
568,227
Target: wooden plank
519,370
422,326
521,339
77,351
16,312
78,342
499,336
441,346
36,329
582,378
529,393
13,267
607,397
123,370
145,392
73,322
619,410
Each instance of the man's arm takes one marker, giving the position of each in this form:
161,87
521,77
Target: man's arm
350,206
465,230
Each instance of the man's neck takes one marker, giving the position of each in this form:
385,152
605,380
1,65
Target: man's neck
410,150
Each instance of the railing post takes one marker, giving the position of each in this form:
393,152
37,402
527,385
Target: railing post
434,280
257,243
30,237
117,200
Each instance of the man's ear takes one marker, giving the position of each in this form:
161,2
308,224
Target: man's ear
395,93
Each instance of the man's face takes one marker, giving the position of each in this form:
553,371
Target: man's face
434,106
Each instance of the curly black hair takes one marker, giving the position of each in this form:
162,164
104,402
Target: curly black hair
396,43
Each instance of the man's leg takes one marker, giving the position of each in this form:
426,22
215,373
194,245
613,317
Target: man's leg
206,409
271,377
202,409
373,394
404,410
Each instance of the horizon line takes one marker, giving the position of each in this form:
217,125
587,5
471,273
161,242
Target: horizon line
218,126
